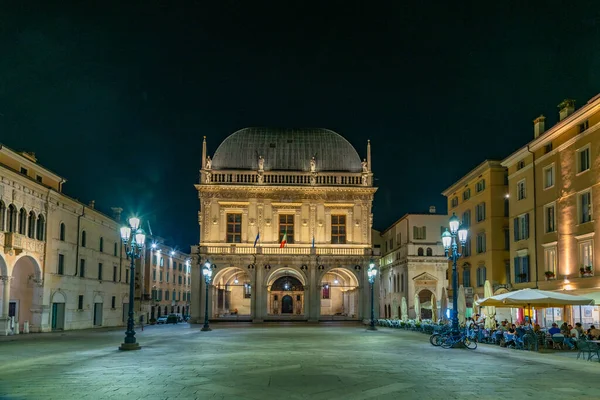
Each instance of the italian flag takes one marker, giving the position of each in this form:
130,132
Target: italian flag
284,240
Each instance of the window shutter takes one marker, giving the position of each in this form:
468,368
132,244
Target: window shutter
526,226
424,233
526,266
516,227
415,232
517,269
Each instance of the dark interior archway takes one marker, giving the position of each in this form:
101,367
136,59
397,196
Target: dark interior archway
287,304
287,283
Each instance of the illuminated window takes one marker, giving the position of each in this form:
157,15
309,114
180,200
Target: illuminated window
550,217
325,290
338,229
286,225
549,177
550,260
583,159
521,227
586,256
521,269
521,190
234,228
585,207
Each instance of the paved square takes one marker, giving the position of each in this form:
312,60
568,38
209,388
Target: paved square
243,361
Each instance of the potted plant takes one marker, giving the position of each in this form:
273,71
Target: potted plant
549,275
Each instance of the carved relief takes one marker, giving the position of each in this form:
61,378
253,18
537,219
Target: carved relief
208,163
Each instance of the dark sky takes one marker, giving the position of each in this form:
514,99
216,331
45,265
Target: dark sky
116,97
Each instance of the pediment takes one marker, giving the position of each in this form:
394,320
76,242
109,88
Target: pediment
425,277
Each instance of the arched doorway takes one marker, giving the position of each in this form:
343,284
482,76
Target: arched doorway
339,294
25,293
232,293
425,302
286,294
57,316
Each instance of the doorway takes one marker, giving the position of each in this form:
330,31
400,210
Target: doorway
58,316
97,314
287,305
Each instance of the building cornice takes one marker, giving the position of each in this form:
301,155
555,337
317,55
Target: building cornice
30,164
515,157
476,172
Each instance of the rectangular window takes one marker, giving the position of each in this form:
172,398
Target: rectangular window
162,262
550,216
161,276
467,248
506,239
247,291
179,279
549,177
454,201
101,244
114,273
548,148
480,186
325,291
583,160
286,226
167,277
481,243
61,264
467,194
520,165
234,228
115,249
82,268
166,295
99,271
521,227
585,207
154,275
521,269
550,261
480,212
507,270
80,302
521,190
24,171
113,302
338,229
180,267
467,277
419,232
154,259
126,275
586,257
584,126
38,178
481,275
466,218
506,206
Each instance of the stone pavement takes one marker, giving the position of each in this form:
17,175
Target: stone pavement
281,361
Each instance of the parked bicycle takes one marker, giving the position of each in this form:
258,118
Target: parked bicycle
452,340
436,338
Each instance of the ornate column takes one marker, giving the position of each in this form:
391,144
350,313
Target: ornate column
258,294
39,311
314,302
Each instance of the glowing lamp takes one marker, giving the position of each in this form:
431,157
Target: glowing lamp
140,237
446,239
454,224
134,222
125,233
462,234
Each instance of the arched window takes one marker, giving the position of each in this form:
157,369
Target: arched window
41,227
420,251
481,275
101,244
22,221
12,218
429,251
62,231
31,226
2,215
395,287
467,277
83,238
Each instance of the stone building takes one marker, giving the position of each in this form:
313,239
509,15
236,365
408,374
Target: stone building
308,186
62,264
413,264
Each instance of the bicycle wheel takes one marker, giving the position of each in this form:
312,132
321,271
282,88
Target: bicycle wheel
470,344
435,339
447,342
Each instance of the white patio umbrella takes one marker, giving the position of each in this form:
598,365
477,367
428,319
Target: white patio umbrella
404,309
444,305
462,306
490,311
395,308
433,308
417,308
536,298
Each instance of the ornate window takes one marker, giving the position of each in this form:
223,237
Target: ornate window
286,226
31,227
2,215
429,252
22,221
420,251
325,291
338,229
234,228
41,227
12,218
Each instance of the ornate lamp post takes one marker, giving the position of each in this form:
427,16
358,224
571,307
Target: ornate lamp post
134,239
372,273
451,246
207,272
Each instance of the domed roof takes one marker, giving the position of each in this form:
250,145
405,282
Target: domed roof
286,149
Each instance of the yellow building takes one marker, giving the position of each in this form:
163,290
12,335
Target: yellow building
308,186
553,190
479,200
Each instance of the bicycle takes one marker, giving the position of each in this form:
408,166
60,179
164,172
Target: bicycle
437,337
454,339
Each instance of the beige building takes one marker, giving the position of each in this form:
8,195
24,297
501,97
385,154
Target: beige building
480,201
413,265
62,265
167,280
553,193
307,185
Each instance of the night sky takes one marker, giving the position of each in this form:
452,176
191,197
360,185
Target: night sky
117,97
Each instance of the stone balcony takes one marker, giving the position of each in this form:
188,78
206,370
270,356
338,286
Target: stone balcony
339,250
285,178
18,243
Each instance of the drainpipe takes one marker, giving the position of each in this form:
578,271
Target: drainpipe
535,251
78,239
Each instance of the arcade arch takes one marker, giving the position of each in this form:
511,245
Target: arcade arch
232,293
425,296
25,290
339,293
286,288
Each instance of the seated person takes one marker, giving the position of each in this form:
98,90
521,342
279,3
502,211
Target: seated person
593,332
554,330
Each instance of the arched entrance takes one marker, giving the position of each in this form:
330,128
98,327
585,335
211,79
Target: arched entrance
25,293
339,294
287,304
57,316
232,293
425,302
286,294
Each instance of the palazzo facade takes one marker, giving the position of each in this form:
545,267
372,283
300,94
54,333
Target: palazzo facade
285,221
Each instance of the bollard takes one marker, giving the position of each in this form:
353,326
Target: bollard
26,327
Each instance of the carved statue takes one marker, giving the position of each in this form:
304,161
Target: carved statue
313,164
365,167
313,180
261,163
365,180
260,179
208,177
208,163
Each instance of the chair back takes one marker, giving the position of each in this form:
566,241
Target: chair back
558,338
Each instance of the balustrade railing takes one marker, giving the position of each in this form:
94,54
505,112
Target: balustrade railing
285,178
287,250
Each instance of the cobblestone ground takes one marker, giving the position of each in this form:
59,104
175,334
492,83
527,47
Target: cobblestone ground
281,362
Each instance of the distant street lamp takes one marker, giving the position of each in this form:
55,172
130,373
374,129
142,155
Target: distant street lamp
133,238
207,272
372,273
461,232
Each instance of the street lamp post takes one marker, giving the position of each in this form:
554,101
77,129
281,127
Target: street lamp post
133,239
372,273
207,272
459,231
